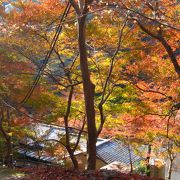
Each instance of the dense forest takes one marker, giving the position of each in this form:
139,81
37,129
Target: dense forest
83,79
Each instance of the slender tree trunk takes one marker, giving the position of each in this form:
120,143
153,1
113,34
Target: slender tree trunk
147,161
165,44
68,146
8,160
88,88
170,169
171,54
73,159
9,142
8,157
130,158
171,155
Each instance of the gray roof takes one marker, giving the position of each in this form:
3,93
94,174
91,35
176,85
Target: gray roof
107,150
52,132
34,155
111,151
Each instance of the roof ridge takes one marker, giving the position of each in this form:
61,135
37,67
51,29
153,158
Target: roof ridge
103,142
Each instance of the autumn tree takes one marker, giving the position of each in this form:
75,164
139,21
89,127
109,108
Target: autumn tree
105,52
63,79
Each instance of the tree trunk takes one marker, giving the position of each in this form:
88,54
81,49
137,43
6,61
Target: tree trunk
148,173
68,110
170,169
73,159
130,157
171,54
8,157
165,44
171,155
88,88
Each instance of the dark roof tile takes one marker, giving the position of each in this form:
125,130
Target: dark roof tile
111,151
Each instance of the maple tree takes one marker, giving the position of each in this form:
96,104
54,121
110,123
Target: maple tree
10,89
122,60
31,54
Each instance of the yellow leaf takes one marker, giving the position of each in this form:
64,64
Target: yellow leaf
10,134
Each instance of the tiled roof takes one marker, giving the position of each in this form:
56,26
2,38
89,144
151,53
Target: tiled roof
34,154
107,150
51,132
111,151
